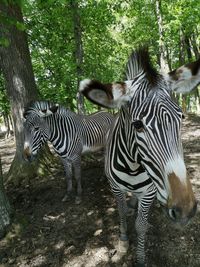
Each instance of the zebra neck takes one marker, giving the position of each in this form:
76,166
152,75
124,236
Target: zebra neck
51,130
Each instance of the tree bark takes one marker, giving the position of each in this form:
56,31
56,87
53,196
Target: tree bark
196,50
181,48
163,58
21,88
188,48
168,58
5,209
78,52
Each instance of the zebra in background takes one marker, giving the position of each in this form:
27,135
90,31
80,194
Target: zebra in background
144,150
70,134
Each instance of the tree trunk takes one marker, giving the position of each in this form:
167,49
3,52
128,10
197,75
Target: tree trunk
5,209
188,48
168,58
181,48
163,58
78,52
184,103
17,69
193,40
197,98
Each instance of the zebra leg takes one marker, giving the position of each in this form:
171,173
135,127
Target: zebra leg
68,172
132,202
122,208
141,224
123,239
132,205
77,175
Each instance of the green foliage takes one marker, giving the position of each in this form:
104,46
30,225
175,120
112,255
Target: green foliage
4,42
51,41
10,21
110,30
13,2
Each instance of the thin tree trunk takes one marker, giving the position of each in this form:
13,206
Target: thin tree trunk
182,62
163,61
181,48
197,98
169,62
5,209
188,48
196,50
78,51
189,56
10,123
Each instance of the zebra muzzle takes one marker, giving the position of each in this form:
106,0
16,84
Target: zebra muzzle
176,214
182,204
27,155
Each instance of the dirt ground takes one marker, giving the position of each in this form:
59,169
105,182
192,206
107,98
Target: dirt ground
48,232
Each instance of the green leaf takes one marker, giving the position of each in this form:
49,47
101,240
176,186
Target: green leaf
4,42
20,26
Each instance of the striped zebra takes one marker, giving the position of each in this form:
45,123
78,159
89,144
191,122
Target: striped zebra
144,150
70,134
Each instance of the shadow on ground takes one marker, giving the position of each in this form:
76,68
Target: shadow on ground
48,232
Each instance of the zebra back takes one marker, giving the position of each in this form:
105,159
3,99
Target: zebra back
42,108
91,129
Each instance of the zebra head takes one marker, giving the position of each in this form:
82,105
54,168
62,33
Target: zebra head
36,130
150,123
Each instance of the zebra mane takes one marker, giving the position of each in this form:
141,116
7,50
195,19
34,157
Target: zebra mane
138,62
44,108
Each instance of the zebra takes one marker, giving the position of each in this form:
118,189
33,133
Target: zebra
70,134
144,151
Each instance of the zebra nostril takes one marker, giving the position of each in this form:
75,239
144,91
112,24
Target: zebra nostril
27,155
172,214
175,213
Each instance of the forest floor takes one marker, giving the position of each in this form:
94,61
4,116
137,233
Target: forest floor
49,232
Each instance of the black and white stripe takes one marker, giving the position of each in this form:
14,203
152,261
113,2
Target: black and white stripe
136,159
144,145
70,134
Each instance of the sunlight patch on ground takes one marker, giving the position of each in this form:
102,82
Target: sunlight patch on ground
39,260
90,258
60,244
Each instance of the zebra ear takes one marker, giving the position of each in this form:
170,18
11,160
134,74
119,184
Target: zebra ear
25,114
112,95
54,108
185,78
50,111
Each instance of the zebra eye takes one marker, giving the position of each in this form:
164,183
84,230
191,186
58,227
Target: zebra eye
138,126
36,128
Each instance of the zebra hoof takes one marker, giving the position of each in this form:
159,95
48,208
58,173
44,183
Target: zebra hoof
78,200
